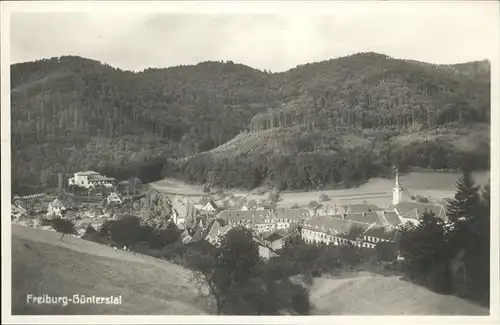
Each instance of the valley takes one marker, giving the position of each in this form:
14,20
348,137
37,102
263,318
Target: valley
378,191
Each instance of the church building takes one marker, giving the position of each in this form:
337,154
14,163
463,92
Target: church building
411,211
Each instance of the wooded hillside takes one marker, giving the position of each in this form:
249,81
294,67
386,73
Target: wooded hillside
71,113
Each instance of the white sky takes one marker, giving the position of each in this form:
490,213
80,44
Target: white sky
259,36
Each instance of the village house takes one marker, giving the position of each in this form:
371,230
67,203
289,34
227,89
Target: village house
265,221
186,237
410,211
254,208
266,253
389,218
379,218
274,241
237,218
362,208
56,208
285,217
91,179
113,198
216,232
210,207
181,212
330,230
336,230
374,235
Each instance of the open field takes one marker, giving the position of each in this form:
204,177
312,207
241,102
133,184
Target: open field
378,191
42,264
368,294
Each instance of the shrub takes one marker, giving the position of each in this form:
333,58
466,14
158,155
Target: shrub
422,199
323,197
45,222
63,226
313,205
274,196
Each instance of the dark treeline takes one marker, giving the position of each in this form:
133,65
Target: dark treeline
453,258
309,170
71,113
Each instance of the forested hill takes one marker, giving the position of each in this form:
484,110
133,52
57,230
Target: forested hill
71,113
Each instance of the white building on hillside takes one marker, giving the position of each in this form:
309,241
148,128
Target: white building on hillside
91,179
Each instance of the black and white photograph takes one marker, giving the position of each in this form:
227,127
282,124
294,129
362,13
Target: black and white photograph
250,159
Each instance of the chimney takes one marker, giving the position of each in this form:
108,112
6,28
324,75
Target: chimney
364,214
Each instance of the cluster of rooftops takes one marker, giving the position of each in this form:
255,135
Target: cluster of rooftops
369,219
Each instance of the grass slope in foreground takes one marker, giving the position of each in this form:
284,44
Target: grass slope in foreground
365,293
42,264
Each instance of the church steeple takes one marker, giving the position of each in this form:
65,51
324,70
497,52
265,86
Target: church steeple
396,191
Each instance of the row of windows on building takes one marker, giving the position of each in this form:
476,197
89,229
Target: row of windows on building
277,225
269,220
312,236
339,241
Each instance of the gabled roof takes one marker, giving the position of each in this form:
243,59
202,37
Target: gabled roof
224,230
57,203
184,210
368,217
413,210
214,229
392,218
212,204
333,225
359,208
198,235
87,173
381,232
293,214
236,215
113,195
100,178
262,215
